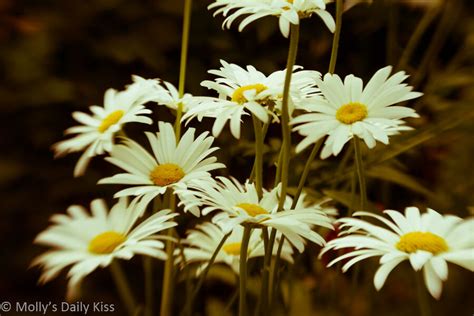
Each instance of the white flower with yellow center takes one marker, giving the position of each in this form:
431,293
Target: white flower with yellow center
428,241
349,110
96,135
88,241
202,242
248,91
240,204
287,11
173,165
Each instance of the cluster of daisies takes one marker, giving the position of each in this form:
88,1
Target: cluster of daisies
184,165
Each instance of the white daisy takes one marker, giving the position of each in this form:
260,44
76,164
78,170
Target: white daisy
248,90
428,241
175,166
86,242
96,135
203,241
287,11
165,93
240,204
349,109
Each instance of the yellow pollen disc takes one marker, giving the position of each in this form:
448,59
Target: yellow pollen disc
166,174
106,242
252,209
238,95
110,120
351,113
232,249
411,242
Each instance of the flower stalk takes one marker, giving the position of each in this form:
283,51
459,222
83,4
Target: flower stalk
123,287
243,271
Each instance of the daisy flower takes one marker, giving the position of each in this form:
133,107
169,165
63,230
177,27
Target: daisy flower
172,165
96,134
428,241
349,110
248,91
87,241
240,204
165,93
287,11
202,241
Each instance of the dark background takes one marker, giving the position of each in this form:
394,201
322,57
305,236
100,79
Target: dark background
60,56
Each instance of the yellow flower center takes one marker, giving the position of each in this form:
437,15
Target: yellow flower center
110,120
411,242
166,174
351,113
232,249
238,95
252,209
106,242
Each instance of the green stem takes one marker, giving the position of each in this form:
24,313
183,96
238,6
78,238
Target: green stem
123,287
257,126
189,303
423,299
285,127
243,271
167,286
305,173
360,173
263,299
183,63
336,37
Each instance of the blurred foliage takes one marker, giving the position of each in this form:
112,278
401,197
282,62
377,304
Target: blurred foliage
60,56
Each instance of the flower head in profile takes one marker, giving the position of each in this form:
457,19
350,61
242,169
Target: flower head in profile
88,241
249,91
202,242
287,11
173,165
96,134
165,93
428,241
348,109
240,204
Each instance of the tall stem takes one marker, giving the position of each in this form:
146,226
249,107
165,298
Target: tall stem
360,173
189,303
123,287
257,126
285,127
336,37
243,271
183,62
423,299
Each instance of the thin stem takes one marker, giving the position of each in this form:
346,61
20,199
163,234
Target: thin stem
183,63
391,39
423,299
360,173
123,287
167,286
243,270
189,304
263,299
257,126
305,173
336,37
285,127
166,293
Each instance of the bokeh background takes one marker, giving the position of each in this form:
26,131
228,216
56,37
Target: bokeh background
60,56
